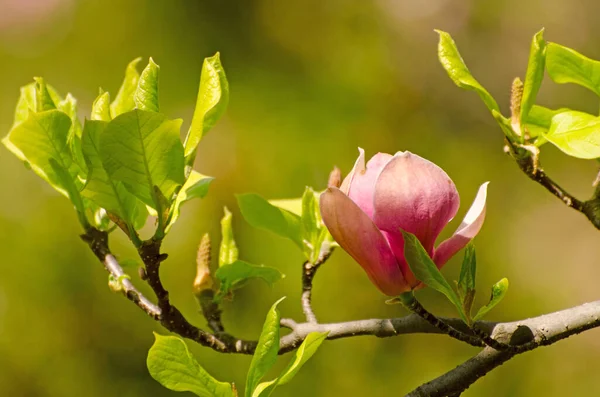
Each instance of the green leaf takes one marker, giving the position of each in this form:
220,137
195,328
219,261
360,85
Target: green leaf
124,100
234,275
101,107
539,119
196,186
228,251
311,224
213,96
266,351
146,94
172,365
292,205
466,280
306,350
43,99
505,125
41,137
259,213
106,192
68,184
576,133
498,292
426,271
457,70
534,74
142,149
26,103
69,106
565,65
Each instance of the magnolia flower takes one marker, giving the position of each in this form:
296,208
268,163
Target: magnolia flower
367,214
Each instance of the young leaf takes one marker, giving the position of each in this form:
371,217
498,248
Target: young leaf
576,133
196,186
101,107
213,96
306,350
498,292
426,271
292,205
565,65
124,100
44,136
43,100
534,74
228,251
266,351
108,193
539,119
68,184
457,70
26,103
311,224
146,94
142,149
233,275
172,365
69,106
466,280
259,213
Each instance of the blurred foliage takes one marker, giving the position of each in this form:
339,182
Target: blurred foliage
310,81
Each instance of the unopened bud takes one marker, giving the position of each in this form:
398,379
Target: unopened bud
335,178
203,280
516,95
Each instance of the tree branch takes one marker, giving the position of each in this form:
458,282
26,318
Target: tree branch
534,332
98,242
527,158
522,335
168,315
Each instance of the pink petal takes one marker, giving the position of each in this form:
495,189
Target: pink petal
359,237
415,195
467,230
359,165
362,187
396,242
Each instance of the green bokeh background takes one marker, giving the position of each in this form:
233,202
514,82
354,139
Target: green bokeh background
310,82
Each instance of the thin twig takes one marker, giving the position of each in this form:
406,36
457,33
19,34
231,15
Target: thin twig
98,242
527,158
412,304
211,311
168,315
308,274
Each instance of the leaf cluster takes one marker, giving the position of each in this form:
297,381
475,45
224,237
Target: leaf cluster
574,132
170,363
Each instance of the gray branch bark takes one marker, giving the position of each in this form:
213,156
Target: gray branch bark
530,333
543,330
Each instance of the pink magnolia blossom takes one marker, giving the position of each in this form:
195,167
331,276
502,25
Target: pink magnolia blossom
393,193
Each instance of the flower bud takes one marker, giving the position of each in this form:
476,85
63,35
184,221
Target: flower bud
391,194
203,280
335,178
